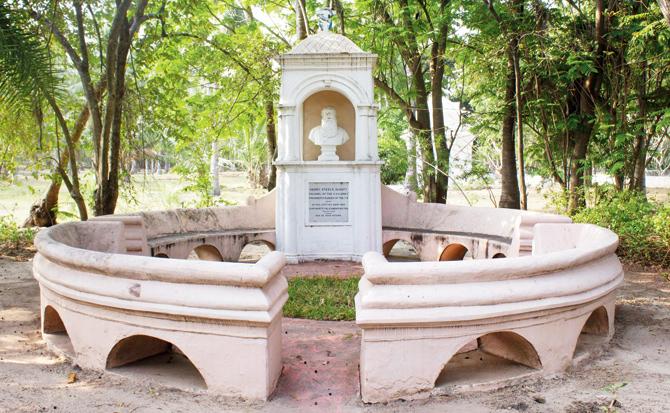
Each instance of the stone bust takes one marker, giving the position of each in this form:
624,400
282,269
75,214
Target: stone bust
328,135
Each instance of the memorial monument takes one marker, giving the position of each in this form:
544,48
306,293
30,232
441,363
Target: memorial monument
118,289
328,185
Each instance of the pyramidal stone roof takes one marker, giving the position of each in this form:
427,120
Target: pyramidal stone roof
326,43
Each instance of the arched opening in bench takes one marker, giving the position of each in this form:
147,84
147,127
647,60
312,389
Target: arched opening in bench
55,332
453,252
255,250
161,255
594,333
144,356
205,252
499,356
499,255
400,250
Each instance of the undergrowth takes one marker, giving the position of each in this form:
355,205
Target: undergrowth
643,225
14,240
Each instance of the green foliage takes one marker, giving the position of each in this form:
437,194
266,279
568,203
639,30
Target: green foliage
643,226
13,237
321,298
24,59
394,154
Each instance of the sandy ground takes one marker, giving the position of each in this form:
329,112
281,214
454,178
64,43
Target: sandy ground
321,365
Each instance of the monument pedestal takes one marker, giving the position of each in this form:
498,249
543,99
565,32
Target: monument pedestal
328,180
328,210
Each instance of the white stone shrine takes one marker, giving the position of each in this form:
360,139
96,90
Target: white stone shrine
328,191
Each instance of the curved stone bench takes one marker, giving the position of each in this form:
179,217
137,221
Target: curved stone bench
432,228
529,310
210,245
118,308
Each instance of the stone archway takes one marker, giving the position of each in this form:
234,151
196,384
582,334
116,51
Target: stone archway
147,356
453,252
497,356
206,252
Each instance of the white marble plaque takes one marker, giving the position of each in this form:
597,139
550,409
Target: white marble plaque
328,202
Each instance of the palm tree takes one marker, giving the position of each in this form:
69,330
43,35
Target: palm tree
26,72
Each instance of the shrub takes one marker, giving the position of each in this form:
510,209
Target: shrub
394,154
643,226
13,237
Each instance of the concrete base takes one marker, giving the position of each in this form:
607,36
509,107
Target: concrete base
233,359
412,362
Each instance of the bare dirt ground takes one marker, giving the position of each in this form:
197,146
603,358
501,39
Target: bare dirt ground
321,367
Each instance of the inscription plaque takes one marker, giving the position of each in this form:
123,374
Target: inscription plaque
328,202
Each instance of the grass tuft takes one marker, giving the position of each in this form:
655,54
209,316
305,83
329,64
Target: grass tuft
321,298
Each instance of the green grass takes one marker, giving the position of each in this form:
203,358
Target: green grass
321,298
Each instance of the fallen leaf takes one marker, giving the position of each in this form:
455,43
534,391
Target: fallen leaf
71,378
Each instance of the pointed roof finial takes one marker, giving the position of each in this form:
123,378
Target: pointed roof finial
325,16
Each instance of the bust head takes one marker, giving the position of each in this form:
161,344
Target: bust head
328,135
328,122
327,113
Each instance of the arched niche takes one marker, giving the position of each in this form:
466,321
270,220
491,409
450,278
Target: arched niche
453,252
255,250
55,331
495,356
143,356
311,117
205,252
594,333
400,250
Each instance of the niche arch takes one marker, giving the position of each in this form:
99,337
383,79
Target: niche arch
55,331
52,323
254,250
498,355
311,117
160,359
453,252
205,252
400,250
595,331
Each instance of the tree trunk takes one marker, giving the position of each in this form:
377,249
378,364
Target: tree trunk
107,190
576,197
214,168
509,197
409,182
271,136
43,212
300,20
519,124
639,161
440,148
339,10
665,9
587,91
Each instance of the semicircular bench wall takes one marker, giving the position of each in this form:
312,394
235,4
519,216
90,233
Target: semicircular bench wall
484,232
97,284
416,316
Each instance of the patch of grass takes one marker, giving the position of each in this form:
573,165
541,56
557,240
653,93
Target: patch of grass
321,298
15,241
